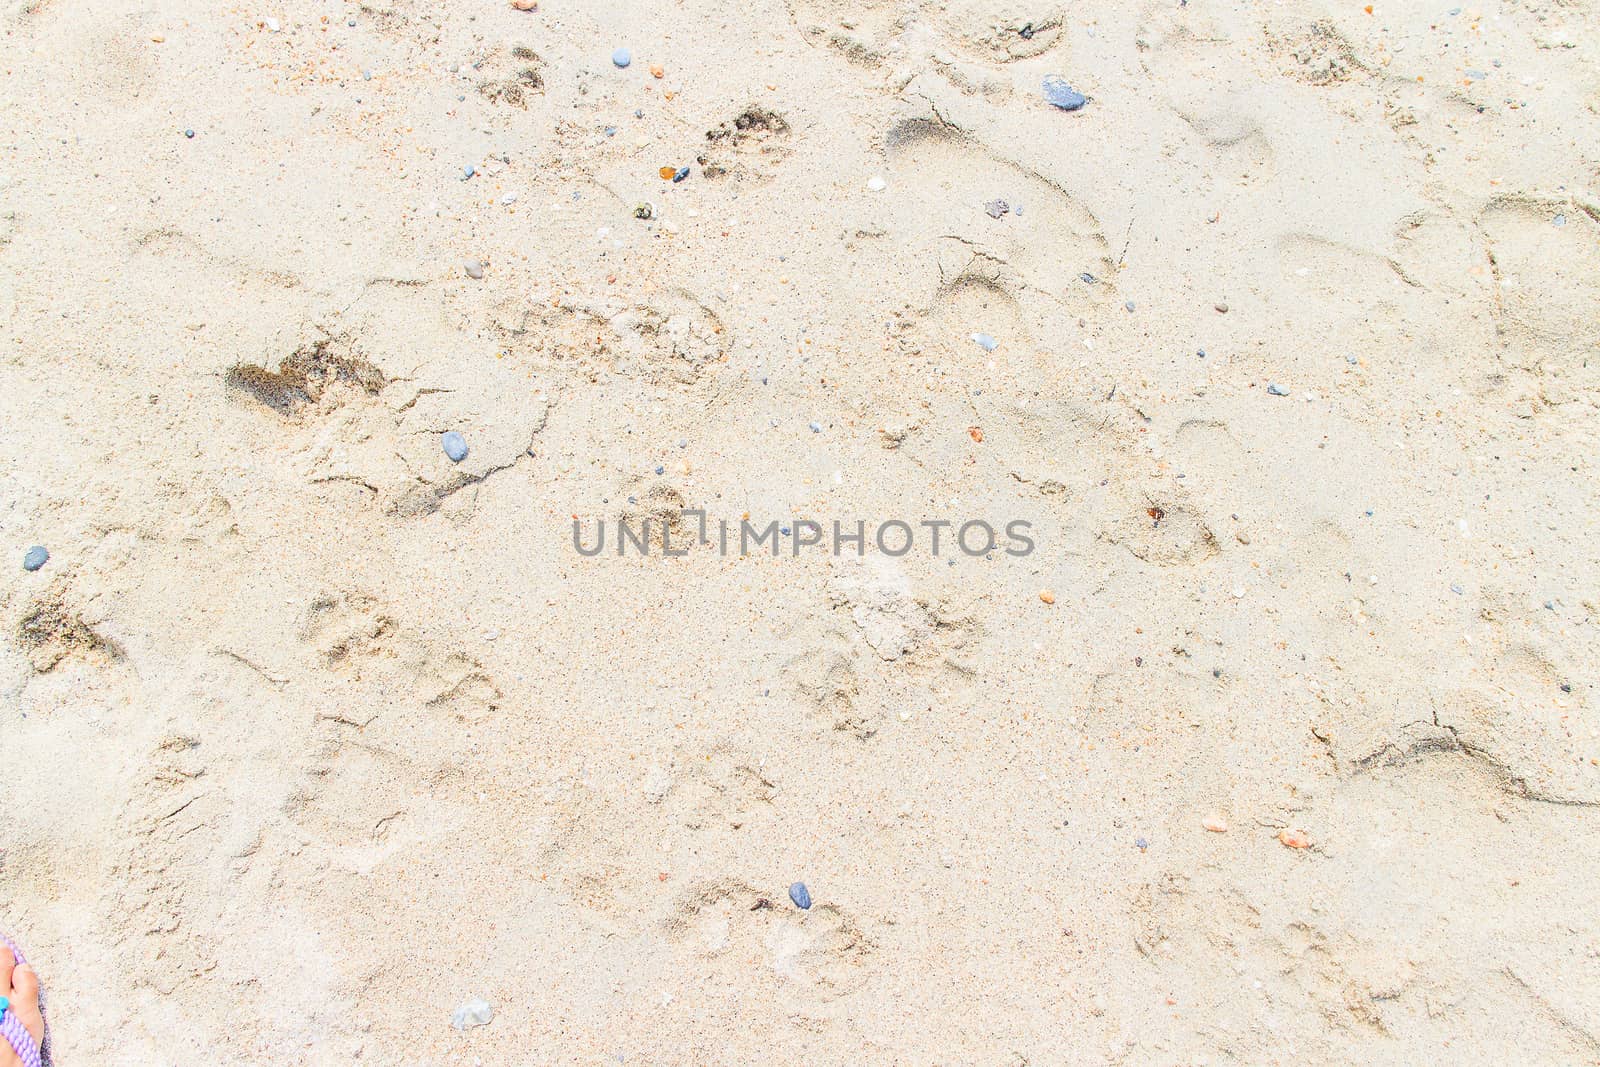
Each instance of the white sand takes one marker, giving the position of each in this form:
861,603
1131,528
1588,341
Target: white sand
312,735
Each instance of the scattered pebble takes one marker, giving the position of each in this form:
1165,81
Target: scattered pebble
189,134
1140,843
1294,839
876,184
816,427
1215,823
657,70
525,5
1276,390
1047,596
622,57
680,174
1457,589
35,558
1062,95
1559,220
473,268
997,208
1086,278
475,1012
455,446
468,171
985,342
800,895
1222,309
1129,305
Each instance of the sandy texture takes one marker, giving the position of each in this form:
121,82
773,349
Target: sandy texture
318,735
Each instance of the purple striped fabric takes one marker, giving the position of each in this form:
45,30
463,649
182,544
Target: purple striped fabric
31,1052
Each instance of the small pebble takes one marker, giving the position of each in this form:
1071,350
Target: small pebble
525,5
1086,278
1222,309
1559,220
189,134
657,70
1456,588
876,184
35,558
985,342
1215,823
1140,843
366,75
1026,33
816,427
1047,596
468,171
800,895
996,208
680,174
1276,390
622,57
473,268
455,446
1294,839
1129,305
1062,95
475,1012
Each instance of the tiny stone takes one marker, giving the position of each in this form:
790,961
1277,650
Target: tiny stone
455,446
680,174
816,427
473,268
1294,839
1559,220
1140,843
1047,596
1129,305
661,470
985,342
1086,278
1062,95
1455,587
468,171
996,208
683,442
1276,390
876,184
1026,33
475,1012
189,134
349,22
1222,309
622,57
366,75
1215,823
800,895
35,558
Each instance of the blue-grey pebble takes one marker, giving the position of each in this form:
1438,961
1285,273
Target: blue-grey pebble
1276,390
455,446
622,57
35,558
1062,95
800,895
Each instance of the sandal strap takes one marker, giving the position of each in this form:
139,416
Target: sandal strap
27,1049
